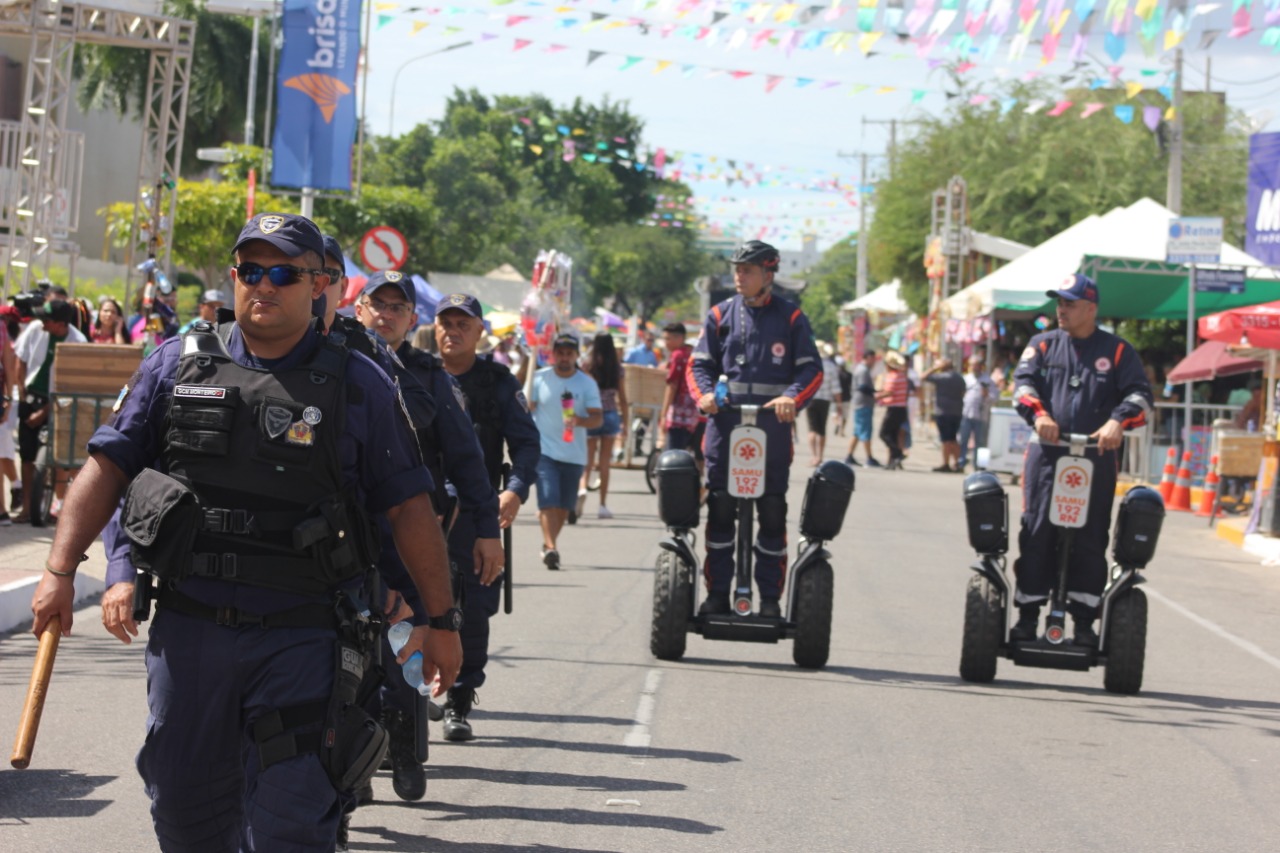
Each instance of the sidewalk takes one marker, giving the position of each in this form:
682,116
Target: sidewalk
23,551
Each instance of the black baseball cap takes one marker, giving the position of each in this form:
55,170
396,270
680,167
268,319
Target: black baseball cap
464,302
1077,286
391,278
566,341
288,232
333,250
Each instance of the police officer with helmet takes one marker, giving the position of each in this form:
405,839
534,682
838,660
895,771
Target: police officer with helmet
251,456
451,448
499,414
764,345
1075,379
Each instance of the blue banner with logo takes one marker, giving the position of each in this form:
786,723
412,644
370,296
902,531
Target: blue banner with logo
1262,219
316,117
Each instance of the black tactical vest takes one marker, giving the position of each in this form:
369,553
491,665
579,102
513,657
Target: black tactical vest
480,386
420,365
259,449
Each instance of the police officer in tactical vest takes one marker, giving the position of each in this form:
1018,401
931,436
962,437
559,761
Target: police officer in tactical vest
450,446
500,414
251,457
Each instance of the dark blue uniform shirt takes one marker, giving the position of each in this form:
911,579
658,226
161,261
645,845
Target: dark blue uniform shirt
1081,384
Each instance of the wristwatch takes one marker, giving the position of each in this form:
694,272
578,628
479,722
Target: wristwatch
450,620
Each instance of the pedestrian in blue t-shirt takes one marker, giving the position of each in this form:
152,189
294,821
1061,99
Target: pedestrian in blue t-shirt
565,404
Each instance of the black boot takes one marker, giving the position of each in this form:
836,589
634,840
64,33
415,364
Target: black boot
717,604
1027,626
770,608
1084,634
344,831
407,776
456,727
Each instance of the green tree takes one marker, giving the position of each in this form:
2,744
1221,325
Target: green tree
833,282
1031,176
641,267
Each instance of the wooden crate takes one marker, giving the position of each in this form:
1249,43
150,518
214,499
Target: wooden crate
645,385
75,417
101,369
1240,454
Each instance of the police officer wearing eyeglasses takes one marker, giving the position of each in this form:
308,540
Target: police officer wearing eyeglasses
251,456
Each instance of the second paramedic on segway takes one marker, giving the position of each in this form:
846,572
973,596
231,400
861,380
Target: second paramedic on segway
764,345
1076,379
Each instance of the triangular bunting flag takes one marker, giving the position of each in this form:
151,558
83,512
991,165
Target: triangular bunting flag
593,55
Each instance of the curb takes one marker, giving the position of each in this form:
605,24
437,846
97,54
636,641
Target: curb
15,599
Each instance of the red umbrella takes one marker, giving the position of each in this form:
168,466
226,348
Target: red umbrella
1209,361
1252,325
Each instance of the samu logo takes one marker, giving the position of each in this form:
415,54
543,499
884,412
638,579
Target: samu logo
1268,218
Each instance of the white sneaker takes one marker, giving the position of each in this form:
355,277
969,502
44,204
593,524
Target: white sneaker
582,503
604,513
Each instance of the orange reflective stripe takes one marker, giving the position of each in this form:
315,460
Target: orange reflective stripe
792,321
1115,362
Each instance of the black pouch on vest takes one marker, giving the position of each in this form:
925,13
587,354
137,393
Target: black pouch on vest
160,517
352,744
201,419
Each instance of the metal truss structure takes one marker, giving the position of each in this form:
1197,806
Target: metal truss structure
32,202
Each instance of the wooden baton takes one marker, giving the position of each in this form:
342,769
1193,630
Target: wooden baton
41,671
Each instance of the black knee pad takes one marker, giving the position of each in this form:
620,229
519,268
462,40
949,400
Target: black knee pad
772,510
722,509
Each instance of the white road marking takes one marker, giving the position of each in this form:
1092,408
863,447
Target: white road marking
639,735
1214,628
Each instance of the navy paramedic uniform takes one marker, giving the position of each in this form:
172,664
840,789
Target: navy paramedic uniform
498,413
208,683
766,352
1081,384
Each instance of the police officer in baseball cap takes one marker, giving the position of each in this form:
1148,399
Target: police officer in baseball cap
250,499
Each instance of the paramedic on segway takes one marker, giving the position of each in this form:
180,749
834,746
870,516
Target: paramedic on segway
1076,379
764,346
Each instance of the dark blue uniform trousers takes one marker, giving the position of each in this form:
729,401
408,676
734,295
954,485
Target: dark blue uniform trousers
1037,565
771,536
206,687
479,605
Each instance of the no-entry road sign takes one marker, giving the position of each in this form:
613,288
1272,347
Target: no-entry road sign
383,248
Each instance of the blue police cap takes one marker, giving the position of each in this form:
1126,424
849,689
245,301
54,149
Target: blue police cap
464,302
333,250
291,234
1076,286
391,278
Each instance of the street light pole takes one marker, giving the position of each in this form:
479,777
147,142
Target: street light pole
391,119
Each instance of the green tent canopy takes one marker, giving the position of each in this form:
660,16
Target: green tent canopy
1155,290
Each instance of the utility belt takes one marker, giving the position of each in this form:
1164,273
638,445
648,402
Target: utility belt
173,535
350,743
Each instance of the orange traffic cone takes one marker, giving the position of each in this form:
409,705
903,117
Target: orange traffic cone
1210,493
1181,497
1166,480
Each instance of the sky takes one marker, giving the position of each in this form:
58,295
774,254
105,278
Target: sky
805,135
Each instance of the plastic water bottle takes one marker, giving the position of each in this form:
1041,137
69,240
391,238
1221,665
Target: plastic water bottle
397,636
722,390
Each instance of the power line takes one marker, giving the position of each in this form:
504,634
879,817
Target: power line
1235,82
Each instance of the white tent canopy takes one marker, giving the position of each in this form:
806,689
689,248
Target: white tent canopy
885,299
1139,232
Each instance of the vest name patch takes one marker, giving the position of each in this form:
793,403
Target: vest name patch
202,392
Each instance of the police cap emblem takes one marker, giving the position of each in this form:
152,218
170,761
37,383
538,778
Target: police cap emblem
270,224
393,275
457,299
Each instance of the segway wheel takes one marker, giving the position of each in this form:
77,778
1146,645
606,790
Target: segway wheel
651,472
815,588
1126,643
983,630
672,607
42,489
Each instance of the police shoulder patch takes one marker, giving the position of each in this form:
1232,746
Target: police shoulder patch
522,400
1028,354
459,396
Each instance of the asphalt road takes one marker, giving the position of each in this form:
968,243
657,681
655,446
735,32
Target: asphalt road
586,743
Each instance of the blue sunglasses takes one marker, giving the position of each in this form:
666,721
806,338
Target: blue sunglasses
279,275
